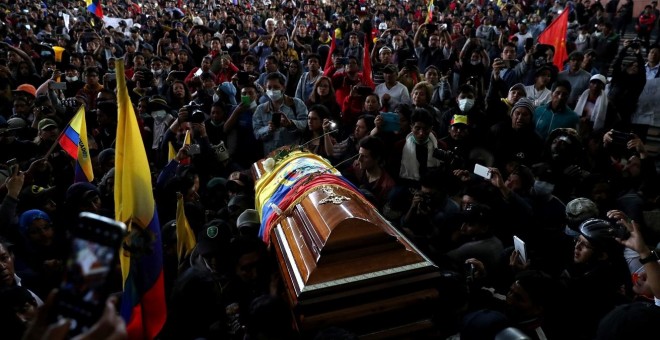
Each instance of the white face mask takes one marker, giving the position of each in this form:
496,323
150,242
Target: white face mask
159,115
274,95
465,104
475,62
71,79
581,37
229,45
395,46
156,72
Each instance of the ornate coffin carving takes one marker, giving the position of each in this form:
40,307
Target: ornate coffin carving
343,264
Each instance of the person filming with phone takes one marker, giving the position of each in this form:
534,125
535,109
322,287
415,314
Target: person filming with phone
279,121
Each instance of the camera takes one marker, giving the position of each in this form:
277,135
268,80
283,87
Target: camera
195,113
425,203
194,150
446,156
410,63
636,44
621,138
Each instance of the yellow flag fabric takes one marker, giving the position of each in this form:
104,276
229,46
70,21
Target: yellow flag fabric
185,238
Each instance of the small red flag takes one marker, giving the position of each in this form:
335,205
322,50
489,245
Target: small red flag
328,60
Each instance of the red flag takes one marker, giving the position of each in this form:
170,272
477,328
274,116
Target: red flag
367,79
555,35
328,60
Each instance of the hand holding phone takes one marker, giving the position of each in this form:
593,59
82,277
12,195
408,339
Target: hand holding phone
89,270
521,248
277,119
482,171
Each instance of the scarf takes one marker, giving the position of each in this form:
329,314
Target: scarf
600,108
409,164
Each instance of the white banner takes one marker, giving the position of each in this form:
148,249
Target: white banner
648,106
66,19
114,22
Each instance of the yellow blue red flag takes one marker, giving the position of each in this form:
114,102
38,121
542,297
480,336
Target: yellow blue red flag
143,300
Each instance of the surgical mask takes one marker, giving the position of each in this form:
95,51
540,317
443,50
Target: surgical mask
581,37
157,72
71,79
247,100
465,104
542,188
229,45
159,115
274,95
475,62
260,44
395,46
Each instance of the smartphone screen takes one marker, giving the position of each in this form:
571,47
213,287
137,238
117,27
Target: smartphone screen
482,171
520,247
90,269
276,118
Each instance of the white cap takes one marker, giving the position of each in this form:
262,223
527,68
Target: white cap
382,26
599,77
197,21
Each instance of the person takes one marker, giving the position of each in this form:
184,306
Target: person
539,92
340,152
592,106
307,81
628,81
555,114
417,157
578,77
515,140
391,92
292,112
8,277
312,137
595,279
652,65
371,176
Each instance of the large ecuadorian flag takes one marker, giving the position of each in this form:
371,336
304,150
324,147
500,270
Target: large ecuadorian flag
74,141
143,301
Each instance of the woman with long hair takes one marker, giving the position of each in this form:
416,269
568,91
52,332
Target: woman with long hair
324,94
312,137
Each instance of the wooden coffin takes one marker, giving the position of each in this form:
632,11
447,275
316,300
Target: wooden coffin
344,265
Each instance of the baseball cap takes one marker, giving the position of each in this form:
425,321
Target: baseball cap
46,123
519,87
27,89
599,77
459,119
390,68
213,238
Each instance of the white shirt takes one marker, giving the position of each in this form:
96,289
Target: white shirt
651,72
398,94
36,298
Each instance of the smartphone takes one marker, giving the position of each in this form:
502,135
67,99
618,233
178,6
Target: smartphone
276,119
12,164
111,76
57,86
621,138
482,171
28,27
243,77
199,72
519,246
90,270
529,43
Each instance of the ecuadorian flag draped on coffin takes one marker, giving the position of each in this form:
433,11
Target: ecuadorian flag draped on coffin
288,180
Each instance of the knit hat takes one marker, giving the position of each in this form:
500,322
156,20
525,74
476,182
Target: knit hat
526,103
30,216
519,87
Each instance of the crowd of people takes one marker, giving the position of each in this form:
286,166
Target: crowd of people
403,97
